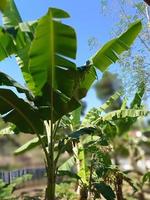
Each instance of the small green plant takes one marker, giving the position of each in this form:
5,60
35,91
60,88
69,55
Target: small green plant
6,190
66,191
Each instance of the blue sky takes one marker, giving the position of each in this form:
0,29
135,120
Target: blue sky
86,18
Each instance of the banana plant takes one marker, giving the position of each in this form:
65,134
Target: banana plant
45,50
93,138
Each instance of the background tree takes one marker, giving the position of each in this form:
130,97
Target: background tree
134,65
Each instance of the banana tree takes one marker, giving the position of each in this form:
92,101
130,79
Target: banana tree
45,51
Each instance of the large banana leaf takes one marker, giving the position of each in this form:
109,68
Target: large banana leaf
110,51
21,34
6,80
122,114
53,47
62,105
31,144
20,113
22,48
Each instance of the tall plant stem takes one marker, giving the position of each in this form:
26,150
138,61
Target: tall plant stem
51,172
43,147
118,187
91,173
51,168
52,164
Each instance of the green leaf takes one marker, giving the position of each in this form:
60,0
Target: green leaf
105,190
3,4
28,27
110,129
62,104
76,114
104,163
124,104
22,41
110,101
68,164
11,16
68,173
20,113
76,81
7,47
127,113
53,47
136,103
94,113
15,27
84,131
6,80
86,75
110,52
30,145
146,178
82,79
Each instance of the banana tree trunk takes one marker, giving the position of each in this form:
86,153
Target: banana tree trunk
51,182
50,164
50,190
118,187
83,193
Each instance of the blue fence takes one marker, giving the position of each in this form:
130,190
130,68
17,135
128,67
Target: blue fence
9,176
